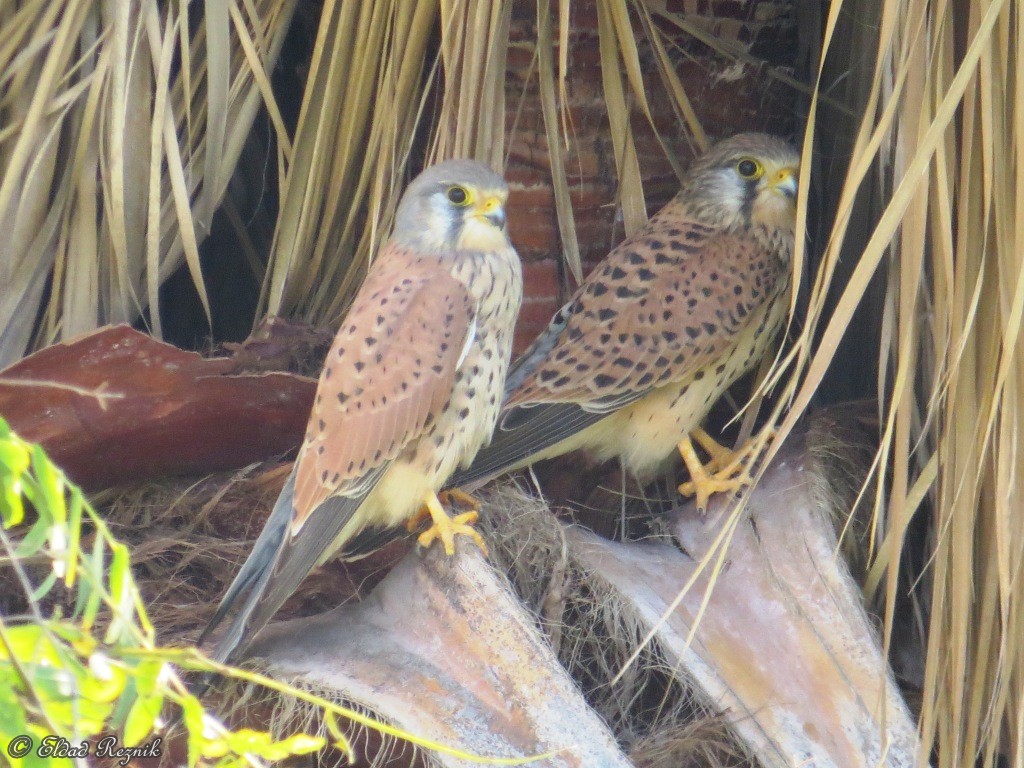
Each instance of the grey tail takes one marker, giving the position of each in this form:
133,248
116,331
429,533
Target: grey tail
276,567
251,581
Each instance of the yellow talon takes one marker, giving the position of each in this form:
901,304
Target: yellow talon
445,528
451,497
720,455
728,471
460,497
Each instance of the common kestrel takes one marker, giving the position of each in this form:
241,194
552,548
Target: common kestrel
632,363
410,390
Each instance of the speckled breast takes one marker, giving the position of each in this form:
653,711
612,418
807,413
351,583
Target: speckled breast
650,430
468,418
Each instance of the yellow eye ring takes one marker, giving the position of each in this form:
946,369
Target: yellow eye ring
748,168
458,196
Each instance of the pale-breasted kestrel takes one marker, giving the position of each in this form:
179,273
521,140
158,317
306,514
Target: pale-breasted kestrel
630,366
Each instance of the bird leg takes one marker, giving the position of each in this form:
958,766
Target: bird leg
727,471
456,496
445,528
449,498
720,455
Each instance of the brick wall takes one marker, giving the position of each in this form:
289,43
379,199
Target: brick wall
727,97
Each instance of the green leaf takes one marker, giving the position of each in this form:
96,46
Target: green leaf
141,703
32,760
143,714
341,741
14,456
12,508
33,541
13,723
14,462
121,592
299,744
262,744
83,644
192,716
26,641
43,589
51,484
123,707
120,573
92,590
105,680
74,536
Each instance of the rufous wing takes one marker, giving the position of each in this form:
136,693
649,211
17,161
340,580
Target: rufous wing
388,374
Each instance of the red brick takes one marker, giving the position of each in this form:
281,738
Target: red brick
522,339
526,331
596,243
521,175
583,16
540,279
590,196
520,55
533,197
538,310
532,231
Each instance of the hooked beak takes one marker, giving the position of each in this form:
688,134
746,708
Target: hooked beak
493,211
785,182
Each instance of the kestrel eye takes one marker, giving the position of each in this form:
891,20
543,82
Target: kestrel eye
458,195
749,168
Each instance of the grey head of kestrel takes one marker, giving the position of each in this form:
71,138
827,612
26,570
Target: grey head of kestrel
410,390
632,363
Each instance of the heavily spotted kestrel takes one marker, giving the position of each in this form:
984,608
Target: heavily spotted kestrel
410,390
633,362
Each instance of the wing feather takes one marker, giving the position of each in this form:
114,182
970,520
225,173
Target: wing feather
660,308
665,303
535,428
389,373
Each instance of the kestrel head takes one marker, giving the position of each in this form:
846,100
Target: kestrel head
454,205
744,181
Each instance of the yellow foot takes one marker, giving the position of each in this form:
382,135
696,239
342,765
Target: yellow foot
445,528
451,497
727,472
455,496
720,455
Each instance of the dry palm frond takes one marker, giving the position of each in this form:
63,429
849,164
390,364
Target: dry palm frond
552,123
122,124
474,45
651,709
616,38
364,107
354,136
931,195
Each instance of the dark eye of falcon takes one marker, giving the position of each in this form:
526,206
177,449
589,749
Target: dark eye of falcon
458,195
749,168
